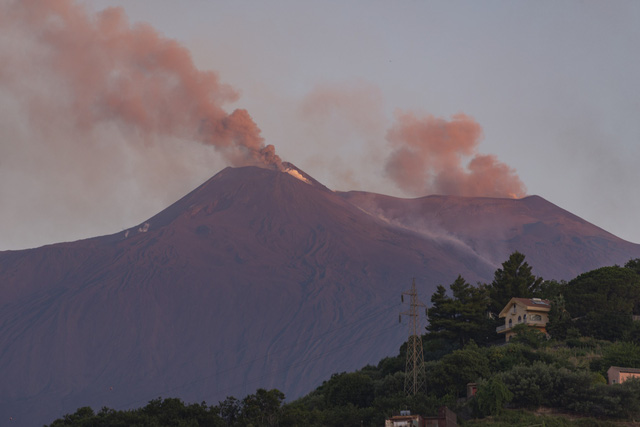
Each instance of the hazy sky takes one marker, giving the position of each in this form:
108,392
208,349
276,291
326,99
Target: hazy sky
552,85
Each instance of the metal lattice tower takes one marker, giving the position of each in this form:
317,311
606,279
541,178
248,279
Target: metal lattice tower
414,380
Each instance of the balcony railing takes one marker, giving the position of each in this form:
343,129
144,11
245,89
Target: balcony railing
526,322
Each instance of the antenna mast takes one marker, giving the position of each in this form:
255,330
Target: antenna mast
414,380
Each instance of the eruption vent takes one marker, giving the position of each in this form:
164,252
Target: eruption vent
436,156
110,72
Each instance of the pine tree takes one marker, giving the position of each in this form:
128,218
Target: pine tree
514,279
461,316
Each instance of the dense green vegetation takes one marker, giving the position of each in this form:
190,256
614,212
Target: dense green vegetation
591,329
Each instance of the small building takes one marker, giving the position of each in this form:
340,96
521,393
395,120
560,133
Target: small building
472,389
405,419
445,418
619,375
533,312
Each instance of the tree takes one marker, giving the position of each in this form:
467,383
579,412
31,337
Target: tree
633,264
81,416
451,374
492,396
441,315
606,289
550,289
514,279
559,319
603,300
349,389
229,410
158,412
528,336
262,408
624,354
461,317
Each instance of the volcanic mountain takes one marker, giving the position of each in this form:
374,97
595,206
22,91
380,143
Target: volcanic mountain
257,278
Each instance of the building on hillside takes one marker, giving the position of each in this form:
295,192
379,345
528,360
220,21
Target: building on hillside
445,418
533,312
619,375
472,389
405,419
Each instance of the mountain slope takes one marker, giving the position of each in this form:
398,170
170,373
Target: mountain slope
557,243
255,279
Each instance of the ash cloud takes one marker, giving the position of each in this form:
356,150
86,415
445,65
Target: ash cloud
109,71
105,122
437,156
346,123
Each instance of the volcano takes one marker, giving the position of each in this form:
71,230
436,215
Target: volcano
257,278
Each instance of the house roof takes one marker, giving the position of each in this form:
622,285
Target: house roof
406,417
530,304
629,370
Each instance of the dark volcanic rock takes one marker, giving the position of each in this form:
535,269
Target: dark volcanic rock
254,279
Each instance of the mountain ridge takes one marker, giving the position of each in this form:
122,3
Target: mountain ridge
530,222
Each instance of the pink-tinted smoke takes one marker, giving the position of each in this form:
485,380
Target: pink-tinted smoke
436,156
130,76
343,124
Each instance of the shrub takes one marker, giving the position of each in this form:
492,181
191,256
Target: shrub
491,397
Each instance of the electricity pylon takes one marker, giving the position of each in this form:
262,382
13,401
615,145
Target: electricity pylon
414,380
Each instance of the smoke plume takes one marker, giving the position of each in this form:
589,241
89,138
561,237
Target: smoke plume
109,72
104,123
436,156
344,125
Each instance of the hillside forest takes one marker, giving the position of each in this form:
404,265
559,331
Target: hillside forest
536,379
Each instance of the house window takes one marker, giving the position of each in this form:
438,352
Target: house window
536,317
510,322
519,319
514,309
524,317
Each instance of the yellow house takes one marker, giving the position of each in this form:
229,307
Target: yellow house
529,311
